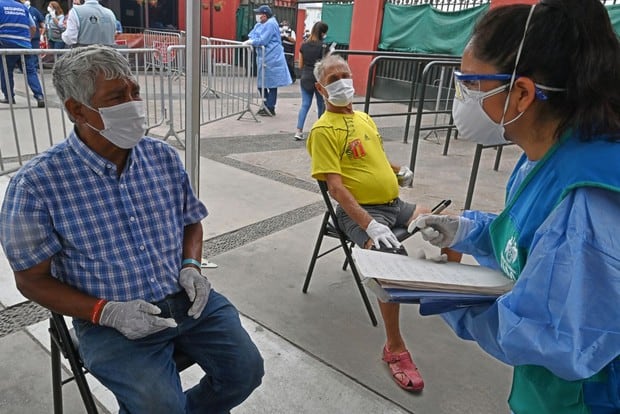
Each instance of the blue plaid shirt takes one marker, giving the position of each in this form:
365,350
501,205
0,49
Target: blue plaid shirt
114,238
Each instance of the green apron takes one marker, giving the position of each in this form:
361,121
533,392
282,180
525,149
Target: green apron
535,389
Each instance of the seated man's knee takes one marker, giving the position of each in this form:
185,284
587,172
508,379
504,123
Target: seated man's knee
251,374
153,397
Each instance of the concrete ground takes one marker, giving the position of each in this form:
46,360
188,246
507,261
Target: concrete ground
321,353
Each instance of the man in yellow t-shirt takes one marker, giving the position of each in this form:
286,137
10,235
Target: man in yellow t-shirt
347,152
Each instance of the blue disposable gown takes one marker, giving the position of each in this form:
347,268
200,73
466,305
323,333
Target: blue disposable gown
273,63
562,312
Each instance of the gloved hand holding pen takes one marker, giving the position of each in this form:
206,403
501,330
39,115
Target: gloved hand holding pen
439,230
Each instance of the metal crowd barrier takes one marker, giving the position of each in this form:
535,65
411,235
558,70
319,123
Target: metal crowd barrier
35,129
228,89
228,86
160,40
406,69
439,81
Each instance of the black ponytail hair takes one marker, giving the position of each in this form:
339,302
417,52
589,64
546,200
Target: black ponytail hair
318,30
569,44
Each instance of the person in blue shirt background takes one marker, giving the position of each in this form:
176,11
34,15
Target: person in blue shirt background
32,61
17,28
553,90
39,22
272,69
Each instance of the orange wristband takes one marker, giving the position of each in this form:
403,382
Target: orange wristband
97,311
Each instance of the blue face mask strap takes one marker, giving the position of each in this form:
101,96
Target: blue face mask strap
514,71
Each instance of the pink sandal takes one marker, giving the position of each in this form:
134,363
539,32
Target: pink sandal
404,370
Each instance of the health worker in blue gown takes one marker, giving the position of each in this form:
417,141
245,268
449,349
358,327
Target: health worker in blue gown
553,90
272,69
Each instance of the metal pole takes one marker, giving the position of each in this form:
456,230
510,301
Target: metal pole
192,95
146,15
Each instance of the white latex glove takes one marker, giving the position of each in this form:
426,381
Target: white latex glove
380,233
197,288
437,229
134,319
248,42
404,176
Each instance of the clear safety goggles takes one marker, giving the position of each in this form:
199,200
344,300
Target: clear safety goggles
467,86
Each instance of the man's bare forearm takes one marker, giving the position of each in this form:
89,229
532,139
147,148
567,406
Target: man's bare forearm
192,241
346,200
38,285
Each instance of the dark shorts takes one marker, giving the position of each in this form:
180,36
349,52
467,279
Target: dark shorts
394,214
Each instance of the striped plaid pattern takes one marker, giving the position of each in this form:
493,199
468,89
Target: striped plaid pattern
113,238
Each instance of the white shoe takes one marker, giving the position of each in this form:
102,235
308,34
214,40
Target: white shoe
207,264
299,136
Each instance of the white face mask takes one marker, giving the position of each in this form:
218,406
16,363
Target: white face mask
258,18
472,121
51,11
469,116
124,124
27,3
341,92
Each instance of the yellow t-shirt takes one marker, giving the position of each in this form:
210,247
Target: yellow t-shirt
350,145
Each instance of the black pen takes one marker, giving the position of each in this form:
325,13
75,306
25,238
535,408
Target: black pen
436,210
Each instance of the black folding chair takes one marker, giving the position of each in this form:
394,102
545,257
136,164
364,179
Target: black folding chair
329,228
65,341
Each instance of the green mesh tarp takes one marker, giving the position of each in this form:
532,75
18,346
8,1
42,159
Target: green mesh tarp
424,29
243,22
614,16
338,18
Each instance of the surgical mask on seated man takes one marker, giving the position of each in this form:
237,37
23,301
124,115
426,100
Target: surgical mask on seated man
124,124
340,92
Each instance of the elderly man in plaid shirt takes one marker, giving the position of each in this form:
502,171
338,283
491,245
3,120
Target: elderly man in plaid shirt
105,227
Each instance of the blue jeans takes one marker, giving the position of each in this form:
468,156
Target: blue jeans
142,375
270,96
31,73
306,102
52,44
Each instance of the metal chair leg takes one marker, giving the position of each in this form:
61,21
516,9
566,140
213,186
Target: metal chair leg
315,253
346,259
56,374
360,286
61,338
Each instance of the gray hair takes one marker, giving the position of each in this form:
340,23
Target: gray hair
327,61
75,73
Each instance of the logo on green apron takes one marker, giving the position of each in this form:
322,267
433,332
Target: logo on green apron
508,259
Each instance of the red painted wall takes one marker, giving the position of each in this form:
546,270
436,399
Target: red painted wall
299,31
499,3
224,18
365,32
